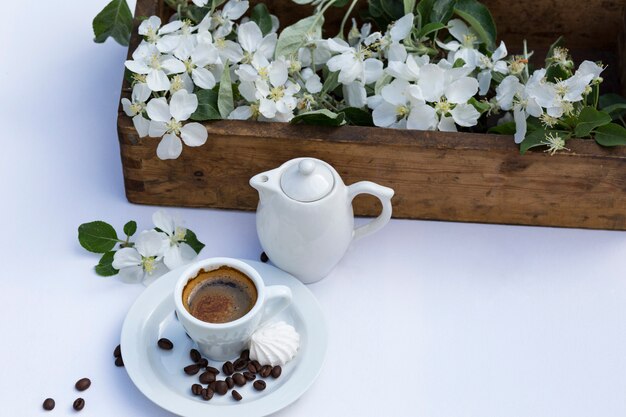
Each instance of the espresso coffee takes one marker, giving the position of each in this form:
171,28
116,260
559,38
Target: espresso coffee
219,296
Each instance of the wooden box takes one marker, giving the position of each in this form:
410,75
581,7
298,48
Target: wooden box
437,176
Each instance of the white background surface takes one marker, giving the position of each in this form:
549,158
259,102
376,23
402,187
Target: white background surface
465,319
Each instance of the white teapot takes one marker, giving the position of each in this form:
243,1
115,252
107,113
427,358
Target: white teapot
305,220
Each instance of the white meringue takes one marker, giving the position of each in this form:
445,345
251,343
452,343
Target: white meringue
274,344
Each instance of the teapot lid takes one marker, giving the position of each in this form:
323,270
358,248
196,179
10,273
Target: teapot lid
307,180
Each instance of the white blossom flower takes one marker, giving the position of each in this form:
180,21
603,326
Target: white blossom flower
257,69
356,35
136,107
449,90
554,142
512,94
228,50
353,63
490,64
196,63
391,44
276,97
251,39
178,252
167,122
142,263
221,22
409,70
312,81
464,45
247,90
395,107
153,33
181,82
148,60
315,51
183,41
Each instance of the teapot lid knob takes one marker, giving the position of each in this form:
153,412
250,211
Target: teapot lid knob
307,180
306,166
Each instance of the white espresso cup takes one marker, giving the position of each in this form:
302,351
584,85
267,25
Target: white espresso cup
224,341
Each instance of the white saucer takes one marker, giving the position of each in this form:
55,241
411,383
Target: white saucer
159,373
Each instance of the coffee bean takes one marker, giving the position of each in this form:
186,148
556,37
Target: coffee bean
236,395
118,351
119,361
221,387
207,377
264,257
82,384
212,385
245,355
240,364
228,368
195,355
196,389
212,370
207,394
239,379
79,404
249,376
229,382
165,344
192,369
251,368
259,385
203,362
257,366
276,371
266,370
48,404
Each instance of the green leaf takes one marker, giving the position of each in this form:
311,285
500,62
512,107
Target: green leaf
192,240
430,28
116,21
98,236
303,1
207,106
480,106
589,119
105,266
442,10
261,16
357,117
196,14
330,83
556,72
611,135
532,140
340,3
610,99
216,3
225,103
393,8
507,128
424,9
613,104
293,37
409,6
321,117
480,19
130,228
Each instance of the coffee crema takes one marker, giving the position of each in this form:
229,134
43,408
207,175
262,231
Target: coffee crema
219,296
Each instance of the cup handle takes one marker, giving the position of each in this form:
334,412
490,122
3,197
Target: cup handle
384,194
277,298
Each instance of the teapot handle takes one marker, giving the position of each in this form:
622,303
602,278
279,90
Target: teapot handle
384,194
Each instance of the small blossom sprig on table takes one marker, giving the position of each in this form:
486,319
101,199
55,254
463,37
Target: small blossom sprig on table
432,65
151,254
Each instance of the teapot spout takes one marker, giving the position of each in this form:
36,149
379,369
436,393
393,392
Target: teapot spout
266,183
